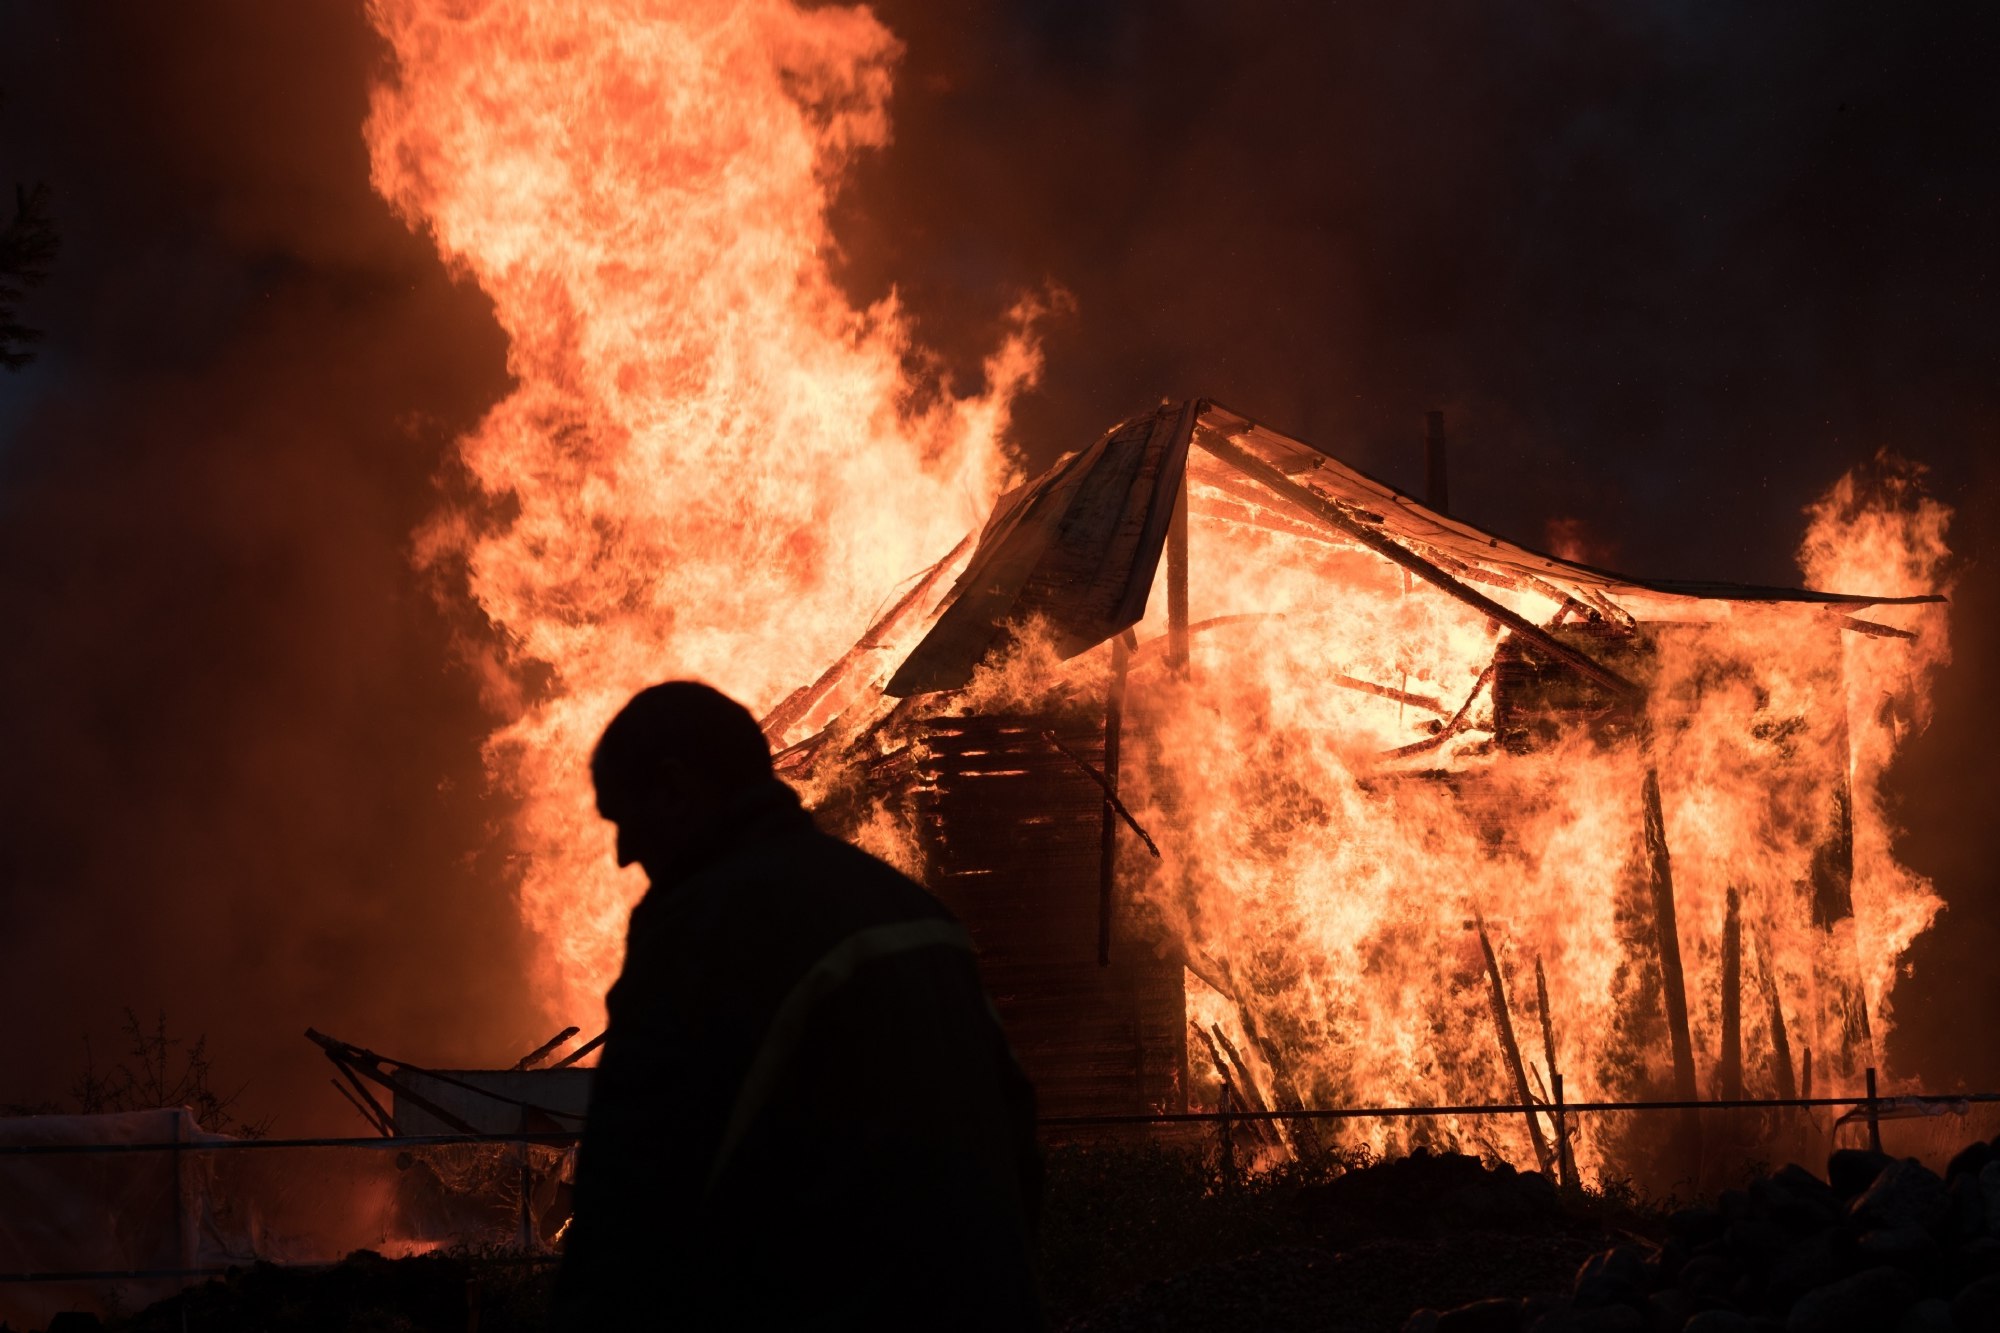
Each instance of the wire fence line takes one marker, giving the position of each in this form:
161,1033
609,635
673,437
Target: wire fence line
533,1253
1885,1105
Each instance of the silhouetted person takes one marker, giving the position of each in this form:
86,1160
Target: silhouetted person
805,1115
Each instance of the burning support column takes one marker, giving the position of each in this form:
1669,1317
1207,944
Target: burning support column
1729,1076
1673,985
1833,913
1503,1024
1781,1046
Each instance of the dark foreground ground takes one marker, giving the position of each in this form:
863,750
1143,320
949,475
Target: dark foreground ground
1153,1239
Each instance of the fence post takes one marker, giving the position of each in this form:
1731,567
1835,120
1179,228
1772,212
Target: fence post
1874,1124
1565,1164
1228,1141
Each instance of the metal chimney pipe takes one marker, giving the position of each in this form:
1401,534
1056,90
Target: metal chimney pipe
1437,491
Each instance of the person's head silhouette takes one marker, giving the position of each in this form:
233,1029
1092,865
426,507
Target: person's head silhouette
670,766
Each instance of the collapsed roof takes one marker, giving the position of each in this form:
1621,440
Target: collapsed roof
1079,546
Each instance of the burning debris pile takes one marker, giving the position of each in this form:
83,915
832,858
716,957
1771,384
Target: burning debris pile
1367,807
1880,1243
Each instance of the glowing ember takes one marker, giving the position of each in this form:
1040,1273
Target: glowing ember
710,465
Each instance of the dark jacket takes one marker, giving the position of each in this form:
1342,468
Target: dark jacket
805,1115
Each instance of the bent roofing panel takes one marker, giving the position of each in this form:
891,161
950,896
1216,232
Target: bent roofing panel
1079,545
1402,518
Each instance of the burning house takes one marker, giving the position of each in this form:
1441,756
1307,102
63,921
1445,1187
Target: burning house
1366,806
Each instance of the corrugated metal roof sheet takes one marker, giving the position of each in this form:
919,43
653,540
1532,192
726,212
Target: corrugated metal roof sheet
1079,545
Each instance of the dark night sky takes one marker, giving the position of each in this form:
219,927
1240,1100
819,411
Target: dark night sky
1670,272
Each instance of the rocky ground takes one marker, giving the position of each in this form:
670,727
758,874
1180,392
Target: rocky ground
1150,1239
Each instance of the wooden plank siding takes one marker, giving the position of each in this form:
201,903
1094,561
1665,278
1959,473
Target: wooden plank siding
1012,834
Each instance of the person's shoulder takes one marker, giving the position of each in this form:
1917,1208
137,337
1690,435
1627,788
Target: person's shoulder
870,871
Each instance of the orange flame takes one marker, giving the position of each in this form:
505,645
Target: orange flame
1333,849
711,465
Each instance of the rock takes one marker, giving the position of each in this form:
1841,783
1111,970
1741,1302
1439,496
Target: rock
1795,1199
1608,1319
1709,1277
1618,1276
1966,1211
1931,1316
1758,1239
1972,1260
1722,1321
1849,1171
1697,1224
1901,1246
1978,1306
1970,1160
1812,1262
1669,1309
1498,1315
1904,1194
1989,1185
1869,1302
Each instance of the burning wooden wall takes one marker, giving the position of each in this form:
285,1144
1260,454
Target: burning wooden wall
1408,786
1012,829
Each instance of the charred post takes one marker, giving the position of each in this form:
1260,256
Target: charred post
1503,1024
1660,878
1437,490
543,1051
1177,582
1781,1046
1114,721
1266,1131
1729,1077
1565,1161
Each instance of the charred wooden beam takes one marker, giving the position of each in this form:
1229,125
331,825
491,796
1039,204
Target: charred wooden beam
1548,1020
1781,1046
1833,903
1247,1096
1660,877
1503,1024
1266,1130
1873,629
536,1056
800,701
1328,511
1729,1077
580,1051
1833,859
1223,505
1110,791
1458,721
1114,718
1390,692
1565,1160
1177,580
373,1123
352,1060
1217,975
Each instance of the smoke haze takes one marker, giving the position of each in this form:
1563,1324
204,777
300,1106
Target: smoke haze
1668,274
